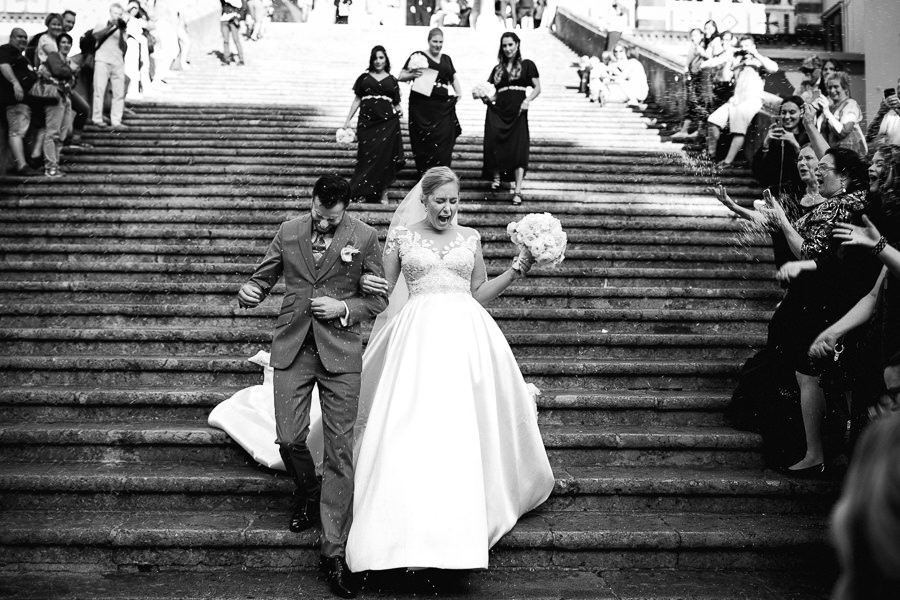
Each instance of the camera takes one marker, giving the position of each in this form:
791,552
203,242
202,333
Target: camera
888,92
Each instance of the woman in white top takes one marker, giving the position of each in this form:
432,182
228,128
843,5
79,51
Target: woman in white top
631,77
840,115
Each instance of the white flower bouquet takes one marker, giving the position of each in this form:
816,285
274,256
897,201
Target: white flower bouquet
483,90
345,135
542,235
417,61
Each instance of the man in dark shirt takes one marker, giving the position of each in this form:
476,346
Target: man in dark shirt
16,78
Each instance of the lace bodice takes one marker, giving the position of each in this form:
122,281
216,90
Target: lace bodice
429,269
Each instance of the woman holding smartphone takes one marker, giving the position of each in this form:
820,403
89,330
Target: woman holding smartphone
885,126
775,163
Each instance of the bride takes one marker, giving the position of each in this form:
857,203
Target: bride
448,453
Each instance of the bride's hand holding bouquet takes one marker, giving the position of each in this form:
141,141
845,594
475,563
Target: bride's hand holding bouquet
540,238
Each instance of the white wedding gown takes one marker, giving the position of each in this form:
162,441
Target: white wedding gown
451,455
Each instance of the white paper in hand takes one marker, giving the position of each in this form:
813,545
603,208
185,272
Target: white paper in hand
424,83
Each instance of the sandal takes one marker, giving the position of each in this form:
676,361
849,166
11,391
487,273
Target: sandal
517,199
495,184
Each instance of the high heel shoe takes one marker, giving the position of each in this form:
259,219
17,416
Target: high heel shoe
813,472
517,199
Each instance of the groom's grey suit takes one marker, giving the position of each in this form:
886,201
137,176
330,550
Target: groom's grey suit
308,351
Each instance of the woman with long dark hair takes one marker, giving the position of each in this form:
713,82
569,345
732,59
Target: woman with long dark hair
774,162
380,146
506,136
433,125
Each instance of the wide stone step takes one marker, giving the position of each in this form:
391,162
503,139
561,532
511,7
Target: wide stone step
275,174
481,206
537,319
467,165
527,293
242,252
494,584
123,341
228,540
222,235
286,185
263,217
539,155
681,277
648,148
196,443
556,407
174,486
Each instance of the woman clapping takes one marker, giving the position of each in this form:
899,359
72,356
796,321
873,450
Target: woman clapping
433,125
506,136
380,150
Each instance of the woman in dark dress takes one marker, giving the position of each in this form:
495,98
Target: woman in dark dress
506,136
822,287
872,327
379,153
433,125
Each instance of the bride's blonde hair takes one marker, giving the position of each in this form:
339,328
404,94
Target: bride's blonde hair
435,177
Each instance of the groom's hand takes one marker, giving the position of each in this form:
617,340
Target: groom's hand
326,308
250,295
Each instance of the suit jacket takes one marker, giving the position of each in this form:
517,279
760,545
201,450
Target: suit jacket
290,253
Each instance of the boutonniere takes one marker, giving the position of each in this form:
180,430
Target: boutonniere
347,253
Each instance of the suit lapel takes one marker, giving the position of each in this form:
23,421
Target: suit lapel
305,238
340,239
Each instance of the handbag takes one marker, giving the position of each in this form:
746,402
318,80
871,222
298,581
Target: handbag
44,89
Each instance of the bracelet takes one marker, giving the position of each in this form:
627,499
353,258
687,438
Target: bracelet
879,246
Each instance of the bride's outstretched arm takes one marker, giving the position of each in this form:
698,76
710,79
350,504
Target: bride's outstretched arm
484,290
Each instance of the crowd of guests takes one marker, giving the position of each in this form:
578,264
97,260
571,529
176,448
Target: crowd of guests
832,207
614,76
50,90
723,89
433,124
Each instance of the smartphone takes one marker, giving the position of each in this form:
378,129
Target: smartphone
779,122
888,92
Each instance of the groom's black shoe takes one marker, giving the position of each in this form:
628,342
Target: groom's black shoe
305,516
340,579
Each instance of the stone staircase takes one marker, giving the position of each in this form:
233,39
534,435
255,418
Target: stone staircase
121,331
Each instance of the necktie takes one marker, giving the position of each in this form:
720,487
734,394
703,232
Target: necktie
318,243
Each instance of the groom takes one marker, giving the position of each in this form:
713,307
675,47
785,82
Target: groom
316,342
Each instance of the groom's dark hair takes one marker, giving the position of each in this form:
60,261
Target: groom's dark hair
331,190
